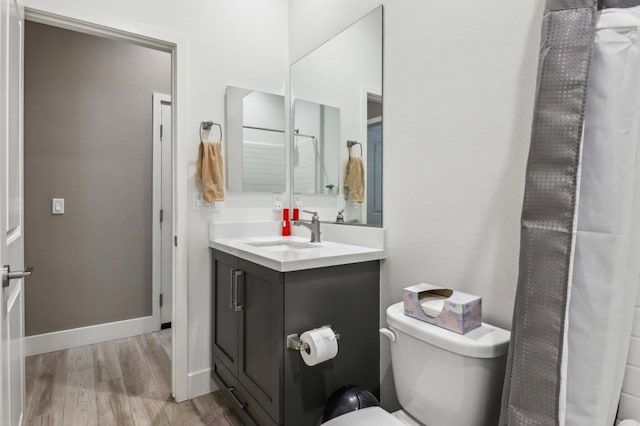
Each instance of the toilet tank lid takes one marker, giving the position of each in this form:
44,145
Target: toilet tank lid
486,341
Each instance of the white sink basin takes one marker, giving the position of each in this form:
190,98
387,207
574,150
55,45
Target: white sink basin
283,245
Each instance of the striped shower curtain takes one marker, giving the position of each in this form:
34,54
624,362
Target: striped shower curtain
580,242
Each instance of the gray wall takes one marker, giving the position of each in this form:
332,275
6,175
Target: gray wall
88,139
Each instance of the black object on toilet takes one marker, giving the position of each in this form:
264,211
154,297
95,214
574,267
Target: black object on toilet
347,399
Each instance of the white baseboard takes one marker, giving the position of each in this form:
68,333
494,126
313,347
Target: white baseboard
200,383
65,339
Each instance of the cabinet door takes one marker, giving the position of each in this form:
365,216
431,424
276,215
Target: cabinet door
347,297
224,327
261,340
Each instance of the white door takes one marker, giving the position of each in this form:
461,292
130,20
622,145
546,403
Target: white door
374,173
162,201
167,243
11,214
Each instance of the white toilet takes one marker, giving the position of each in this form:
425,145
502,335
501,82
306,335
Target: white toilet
442,378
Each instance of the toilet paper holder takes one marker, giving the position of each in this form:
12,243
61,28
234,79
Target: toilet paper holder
294,342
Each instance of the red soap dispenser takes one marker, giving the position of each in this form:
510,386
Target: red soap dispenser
286,225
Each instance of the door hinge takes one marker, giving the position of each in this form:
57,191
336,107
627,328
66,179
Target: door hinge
161,131
175,241
161,215
161,299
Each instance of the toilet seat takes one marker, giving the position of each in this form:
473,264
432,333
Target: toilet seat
370,416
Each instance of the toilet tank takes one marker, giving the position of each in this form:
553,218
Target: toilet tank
443,378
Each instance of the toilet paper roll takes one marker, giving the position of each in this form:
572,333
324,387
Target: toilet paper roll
323,345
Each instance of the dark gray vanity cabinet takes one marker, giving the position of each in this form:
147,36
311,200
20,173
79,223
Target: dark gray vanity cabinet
255,308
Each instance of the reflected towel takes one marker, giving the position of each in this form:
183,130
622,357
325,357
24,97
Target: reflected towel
354,180
209,170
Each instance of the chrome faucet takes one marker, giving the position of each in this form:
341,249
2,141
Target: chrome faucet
313,225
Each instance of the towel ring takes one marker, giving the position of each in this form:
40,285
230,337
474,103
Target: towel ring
350,144
296,133
206,125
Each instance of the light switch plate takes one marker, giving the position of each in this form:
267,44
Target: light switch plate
198,201
200,204
57,206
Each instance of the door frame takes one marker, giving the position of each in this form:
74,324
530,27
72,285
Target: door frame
366,92
370,177
113,28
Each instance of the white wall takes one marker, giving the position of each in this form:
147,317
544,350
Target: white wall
238,43
263,110
459,83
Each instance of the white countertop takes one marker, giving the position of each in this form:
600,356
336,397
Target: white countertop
326,253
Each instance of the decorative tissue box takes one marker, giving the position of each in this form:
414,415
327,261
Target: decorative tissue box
446,308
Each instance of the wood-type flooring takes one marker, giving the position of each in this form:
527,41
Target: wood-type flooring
122,382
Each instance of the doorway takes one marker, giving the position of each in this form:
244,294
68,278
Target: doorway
117,30
374,160
90,179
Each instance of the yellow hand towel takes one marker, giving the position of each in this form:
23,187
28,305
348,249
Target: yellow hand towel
354,180
209,170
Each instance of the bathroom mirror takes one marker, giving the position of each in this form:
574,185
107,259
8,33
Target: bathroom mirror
336,92
255,142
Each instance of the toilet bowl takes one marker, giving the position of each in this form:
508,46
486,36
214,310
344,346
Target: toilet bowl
370,416
441,378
